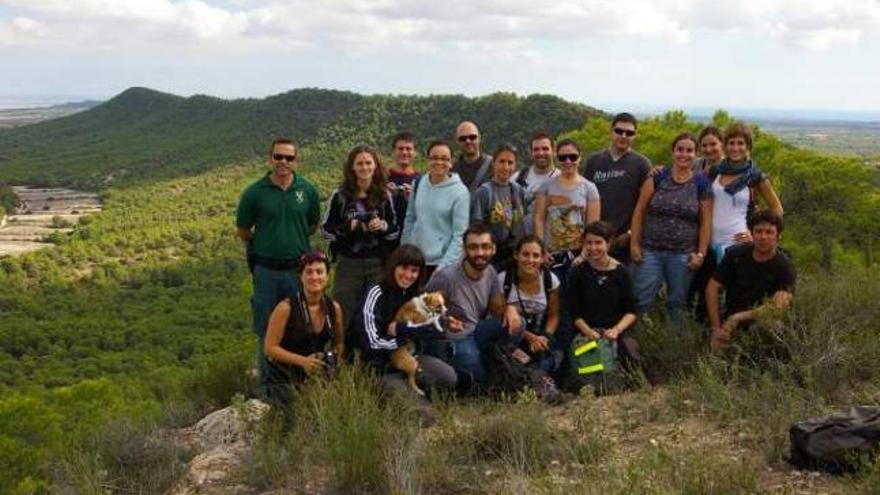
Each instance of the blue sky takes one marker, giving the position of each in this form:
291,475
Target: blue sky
781,54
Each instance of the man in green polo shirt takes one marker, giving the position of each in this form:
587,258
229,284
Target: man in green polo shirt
275,216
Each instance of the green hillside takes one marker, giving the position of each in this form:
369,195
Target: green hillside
143,134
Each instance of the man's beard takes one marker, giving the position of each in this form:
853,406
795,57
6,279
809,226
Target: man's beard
479,263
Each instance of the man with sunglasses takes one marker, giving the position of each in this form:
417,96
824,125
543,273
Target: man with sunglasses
275,217
473,167
618,173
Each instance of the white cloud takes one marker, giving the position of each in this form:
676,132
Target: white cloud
22,31
424,26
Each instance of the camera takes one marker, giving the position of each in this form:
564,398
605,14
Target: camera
331,363
364,217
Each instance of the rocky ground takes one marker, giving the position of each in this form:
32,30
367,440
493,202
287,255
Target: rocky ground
43,212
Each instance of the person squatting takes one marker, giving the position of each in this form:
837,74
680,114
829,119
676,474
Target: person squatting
493,273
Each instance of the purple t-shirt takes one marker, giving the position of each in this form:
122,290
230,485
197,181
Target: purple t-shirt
672,222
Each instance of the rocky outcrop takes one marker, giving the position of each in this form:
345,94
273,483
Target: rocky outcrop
222,440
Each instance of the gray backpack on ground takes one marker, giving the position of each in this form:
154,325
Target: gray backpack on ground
839,443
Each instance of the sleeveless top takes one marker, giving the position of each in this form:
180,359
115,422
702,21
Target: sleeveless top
300,338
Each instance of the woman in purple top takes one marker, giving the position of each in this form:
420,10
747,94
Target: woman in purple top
670,231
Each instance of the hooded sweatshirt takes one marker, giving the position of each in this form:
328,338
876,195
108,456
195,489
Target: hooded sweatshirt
436,218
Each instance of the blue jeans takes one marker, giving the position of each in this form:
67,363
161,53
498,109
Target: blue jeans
270,287
655,268
465,354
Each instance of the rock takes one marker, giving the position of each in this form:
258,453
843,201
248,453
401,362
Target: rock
227,426
223,440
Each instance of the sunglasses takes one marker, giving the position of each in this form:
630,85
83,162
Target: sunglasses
624,132
568,157
467,137
278,157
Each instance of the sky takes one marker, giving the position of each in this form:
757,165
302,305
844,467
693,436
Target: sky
659,54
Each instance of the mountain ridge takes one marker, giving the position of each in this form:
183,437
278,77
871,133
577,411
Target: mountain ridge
143,134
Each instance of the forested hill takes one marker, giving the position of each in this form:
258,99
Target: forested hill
146,134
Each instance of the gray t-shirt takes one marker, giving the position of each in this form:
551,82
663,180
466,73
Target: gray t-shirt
619,183
532,182
466,299
501,208
566,214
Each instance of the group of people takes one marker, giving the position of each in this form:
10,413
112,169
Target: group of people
534,257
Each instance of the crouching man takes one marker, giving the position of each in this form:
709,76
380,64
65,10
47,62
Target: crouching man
750,274
478,313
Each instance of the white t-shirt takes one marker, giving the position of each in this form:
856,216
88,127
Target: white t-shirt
534,304
728,213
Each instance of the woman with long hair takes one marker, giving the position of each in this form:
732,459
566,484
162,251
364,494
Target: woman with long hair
360,221
670,231
305,333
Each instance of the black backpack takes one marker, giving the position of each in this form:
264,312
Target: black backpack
509,373
839,443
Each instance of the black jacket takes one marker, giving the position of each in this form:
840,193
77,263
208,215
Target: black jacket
378,306
358,243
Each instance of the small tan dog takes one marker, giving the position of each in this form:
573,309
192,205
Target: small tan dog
421,310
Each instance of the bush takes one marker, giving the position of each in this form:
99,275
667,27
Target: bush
125,457
59,222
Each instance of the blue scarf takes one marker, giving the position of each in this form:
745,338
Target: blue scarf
744,172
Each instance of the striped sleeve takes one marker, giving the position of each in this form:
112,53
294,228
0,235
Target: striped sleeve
371,305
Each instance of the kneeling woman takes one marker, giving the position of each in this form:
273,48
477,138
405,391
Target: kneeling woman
380,334
600,295
303,331
534,291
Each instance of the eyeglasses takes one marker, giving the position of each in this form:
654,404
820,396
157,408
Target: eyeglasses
279,157
624,132
433,158
468,137
567,157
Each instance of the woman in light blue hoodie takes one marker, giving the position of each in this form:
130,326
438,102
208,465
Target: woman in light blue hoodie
439,210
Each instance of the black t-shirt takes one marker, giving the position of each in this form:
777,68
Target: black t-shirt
467,171
619,183
601,298
748,282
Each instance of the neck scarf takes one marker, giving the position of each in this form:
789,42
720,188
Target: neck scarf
743,171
